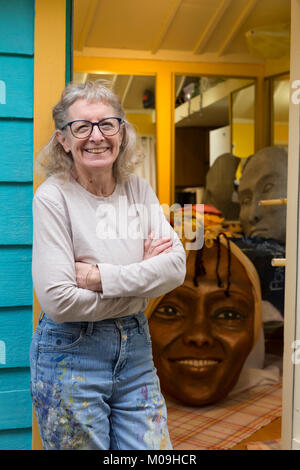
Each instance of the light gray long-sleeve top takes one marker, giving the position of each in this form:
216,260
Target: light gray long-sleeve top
71,224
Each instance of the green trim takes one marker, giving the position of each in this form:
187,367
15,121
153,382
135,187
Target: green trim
69,41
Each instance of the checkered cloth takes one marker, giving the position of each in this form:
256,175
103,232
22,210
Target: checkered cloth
225,424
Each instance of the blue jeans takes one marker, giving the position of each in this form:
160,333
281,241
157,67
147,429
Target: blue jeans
94,386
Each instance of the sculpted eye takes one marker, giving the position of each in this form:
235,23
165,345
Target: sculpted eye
245,201
268,187
167,312
229,315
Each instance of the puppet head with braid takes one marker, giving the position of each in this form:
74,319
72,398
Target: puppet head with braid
203,331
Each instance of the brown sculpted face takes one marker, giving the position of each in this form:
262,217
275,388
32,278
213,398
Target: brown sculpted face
264,177
201,337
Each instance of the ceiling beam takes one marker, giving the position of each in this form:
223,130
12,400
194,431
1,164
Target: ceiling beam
174,6
90,15
127,87
237,25
114,81
211,26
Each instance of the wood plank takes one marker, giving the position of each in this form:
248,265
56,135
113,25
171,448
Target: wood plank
16,439
211,26
15,409
15,278
88,21
16,214
16,378
16,86
237,25
17,27
166,23
16,164
15,341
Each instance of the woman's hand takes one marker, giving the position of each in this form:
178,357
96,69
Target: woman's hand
88,276
154,248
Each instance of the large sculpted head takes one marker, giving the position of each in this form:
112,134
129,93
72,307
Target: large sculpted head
219,187
203,331
264,177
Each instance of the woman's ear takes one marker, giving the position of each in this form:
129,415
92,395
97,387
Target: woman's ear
62,139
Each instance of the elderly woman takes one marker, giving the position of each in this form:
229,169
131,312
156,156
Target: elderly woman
101,248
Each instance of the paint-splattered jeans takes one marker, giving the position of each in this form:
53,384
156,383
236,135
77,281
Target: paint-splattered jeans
94,386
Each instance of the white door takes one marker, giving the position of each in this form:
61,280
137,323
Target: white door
291,360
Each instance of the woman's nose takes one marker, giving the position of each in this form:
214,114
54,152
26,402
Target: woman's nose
96,134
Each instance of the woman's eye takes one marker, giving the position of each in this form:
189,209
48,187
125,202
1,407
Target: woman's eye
83,128
107,125
167,312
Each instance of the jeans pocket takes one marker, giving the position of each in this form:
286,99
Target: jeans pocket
58,339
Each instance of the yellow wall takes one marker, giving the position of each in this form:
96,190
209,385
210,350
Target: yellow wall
281,133
49,67
143,123
243,139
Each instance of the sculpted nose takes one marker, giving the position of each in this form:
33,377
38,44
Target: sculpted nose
198,334
255,212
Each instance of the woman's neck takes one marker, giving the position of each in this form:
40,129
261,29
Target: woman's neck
101,184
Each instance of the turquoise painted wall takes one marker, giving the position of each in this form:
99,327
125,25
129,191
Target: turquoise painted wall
16,191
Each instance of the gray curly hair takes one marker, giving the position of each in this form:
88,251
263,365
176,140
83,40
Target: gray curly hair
52,159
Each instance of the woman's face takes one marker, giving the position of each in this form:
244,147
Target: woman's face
96,151
201,338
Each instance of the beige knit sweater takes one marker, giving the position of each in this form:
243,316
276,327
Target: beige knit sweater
71,224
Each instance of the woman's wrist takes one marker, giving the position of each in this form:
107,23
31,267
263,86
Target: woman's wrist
93,280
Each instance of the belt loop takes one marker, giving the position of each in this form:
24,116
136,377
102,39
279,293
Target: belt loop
90,327
139,319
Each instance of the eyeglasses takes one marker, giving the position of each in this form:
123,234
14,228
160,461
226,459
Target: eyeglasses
82,129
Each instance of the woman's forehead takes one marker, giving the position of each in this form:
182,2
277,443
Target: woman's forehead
84,108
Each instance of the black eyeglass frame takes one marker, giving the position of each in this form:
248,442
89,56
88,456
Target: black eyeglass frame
120,121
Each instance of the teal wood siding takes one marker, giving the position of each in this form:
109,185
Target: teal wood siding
16,191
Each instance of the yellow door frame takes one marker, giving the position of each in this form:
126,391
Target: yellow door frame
49,81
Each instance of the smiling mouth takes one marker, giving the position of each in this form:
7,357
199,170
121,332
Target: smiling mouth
97,151
197,363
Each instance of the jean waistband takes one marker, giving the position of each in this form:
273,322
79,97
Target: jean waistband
129,321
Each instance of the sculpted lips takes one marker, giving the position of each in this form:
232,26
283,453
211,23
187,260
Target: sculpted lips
257,230
194,363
